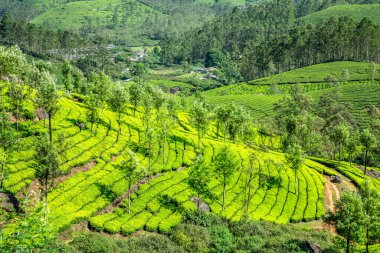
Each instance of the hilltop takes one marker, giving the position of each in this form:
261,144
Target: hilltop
356,11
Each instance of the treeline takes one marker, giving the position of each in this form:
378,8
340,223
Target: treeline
265,39
325,128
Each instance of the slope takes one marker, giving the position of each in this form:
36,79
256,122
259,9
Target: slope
356,12
260,95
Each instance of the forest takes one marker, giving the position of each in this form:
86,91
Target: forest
221,126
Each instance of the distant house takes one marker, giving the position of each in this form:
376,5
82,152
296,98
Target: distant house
111,46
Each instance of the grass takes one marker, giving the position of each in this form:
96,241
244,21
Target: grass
358,71
75,15
356,11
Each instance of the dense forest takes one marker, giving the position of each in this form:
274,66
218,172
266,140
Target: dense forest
274,42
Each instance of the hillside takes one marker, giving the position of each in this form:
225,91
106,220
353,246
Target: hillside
94,180
357,71
137,22
260,96
357,12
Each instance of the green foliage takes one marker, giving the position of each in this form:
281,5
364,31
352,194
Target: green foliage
356,11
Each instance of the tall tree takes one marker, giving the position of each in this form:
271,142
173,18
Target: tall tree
47,98
368,141
92,104
199,176
371,206
295,159
348,217
200,117
132,171
249,173
47,167
224,165
118,101
6,138
18,94
135,94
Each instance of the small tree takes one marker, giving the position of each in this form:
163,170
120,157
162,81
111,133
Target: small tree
371,206
18,94
118,101
352,146
6,143
372,72
47,167
48,98
368,140
348,218
295,159
340,137
223,115
92,105
248,185
132,172
199,176
200,118
224,165
135,94
6,138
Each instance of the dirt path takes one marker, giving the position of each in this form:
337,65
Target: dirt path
329,203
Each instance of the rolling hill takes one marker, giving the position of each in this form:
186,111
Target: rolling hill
259,96
93,187
356,12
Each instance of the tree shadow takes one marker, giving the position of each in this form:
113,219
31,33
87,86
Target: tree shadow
170,203
106,191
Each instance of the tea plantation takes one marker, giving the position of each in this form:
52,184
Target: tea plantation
98,193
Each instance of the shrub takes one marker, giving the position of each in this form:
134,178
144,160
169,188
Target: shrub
192,238
222,239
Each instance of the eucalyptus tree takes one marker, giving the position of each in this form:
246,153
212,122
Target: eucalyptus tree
295,159
101,86
47,167
223,115
340,136
199,176
93,105
249,173
200,118
348,217
6,140
135,94
224,165
47,98
133,172
368,141
159,99
371,208
238,122
18,94
118,101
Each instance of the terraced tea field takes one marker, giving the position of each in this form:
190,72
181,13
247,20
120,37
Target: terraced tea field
94,187
259,96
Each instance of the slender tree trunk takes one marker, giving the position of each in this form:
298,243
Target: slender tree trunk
348,245
365,162
225,130
2,174
163,150
50,128
224,193
129,197
367,241
118,122
46,200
